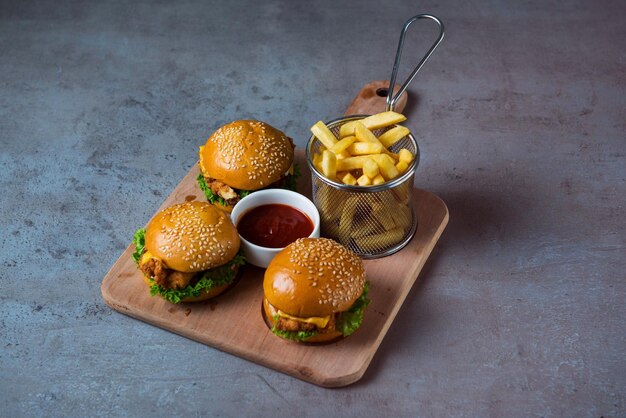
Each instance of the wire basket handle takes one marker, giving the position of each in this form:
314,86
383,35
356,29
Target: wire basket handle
391,99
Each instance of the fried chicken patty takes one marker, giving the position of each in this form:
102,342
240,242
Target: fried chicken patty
286,324
165,277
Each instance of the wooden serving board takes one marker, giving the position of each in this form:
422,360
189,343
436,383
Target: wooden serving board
233,322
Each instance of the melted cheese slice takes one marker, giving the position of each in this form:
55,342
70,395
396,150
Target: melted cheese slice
200,161
146,256
320,322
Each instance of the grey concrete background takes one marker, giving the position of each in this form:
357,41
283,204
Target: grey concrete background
521,117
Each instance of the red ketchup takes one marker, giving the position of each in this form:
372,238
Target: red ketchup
274,225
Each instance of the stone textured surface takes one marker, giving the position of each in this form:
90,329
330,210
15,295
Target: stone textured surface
521,120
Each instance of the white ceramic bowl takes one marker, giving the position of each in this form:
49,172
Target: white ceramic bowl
261,256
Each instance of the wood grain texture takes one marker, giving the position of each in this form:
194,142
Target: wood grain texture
368,102
233,322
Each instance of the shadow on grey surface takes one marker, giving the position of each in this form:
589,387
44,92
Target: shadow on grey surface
392,342
481,218
476,221
412,103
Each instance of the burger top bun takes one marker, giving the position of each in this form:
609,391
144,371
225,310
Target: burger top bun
314,277
246,155
192,236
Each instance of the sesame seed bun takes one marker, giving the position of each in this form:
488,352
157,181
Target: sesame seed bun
246,155
192,237
314,277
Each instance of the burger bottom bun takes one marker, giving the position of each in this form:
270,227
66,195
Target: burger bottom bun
319,338
205,294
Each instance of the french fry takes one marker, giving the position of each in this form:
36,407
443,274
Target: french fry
401,193
383,216
393,135
330,204
370,168
386,165
363,134
365,148
355,144
324,134
402,166
317,161
377,121
348,178
405,155
367,229
329,164
352,163
371,243
347,215
364,181
378,180
382,120
404,216
347,129
343,144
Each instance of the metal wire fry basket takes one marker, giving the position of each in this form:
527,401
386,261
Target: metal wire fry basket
372,221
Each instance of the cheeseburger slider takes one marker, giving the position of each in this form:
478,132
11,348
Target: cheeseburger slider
188,252
315,291
242,157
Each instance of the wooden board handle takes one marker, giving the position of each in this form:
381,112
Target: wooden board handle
372,99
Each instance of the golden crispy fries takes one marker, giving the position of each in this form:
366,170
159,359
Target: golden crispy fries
343,144
329,164
378,180
405,155
382,240
352,163
377,121
367,229
363,134
365,148
382,120
387,166
402,166
348,178
347,215
356,144
324,134
370,168
317,161
343,154
364,181
384,217
347,129
393,135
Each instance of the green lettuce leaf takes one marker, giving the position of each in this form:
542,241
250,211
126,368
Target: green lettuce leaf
139,239
212,197
293,335
350,321
347,323
210,278
291,181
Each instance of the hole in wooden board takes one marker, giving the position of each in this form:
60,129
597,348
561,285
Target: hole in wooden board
382,92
